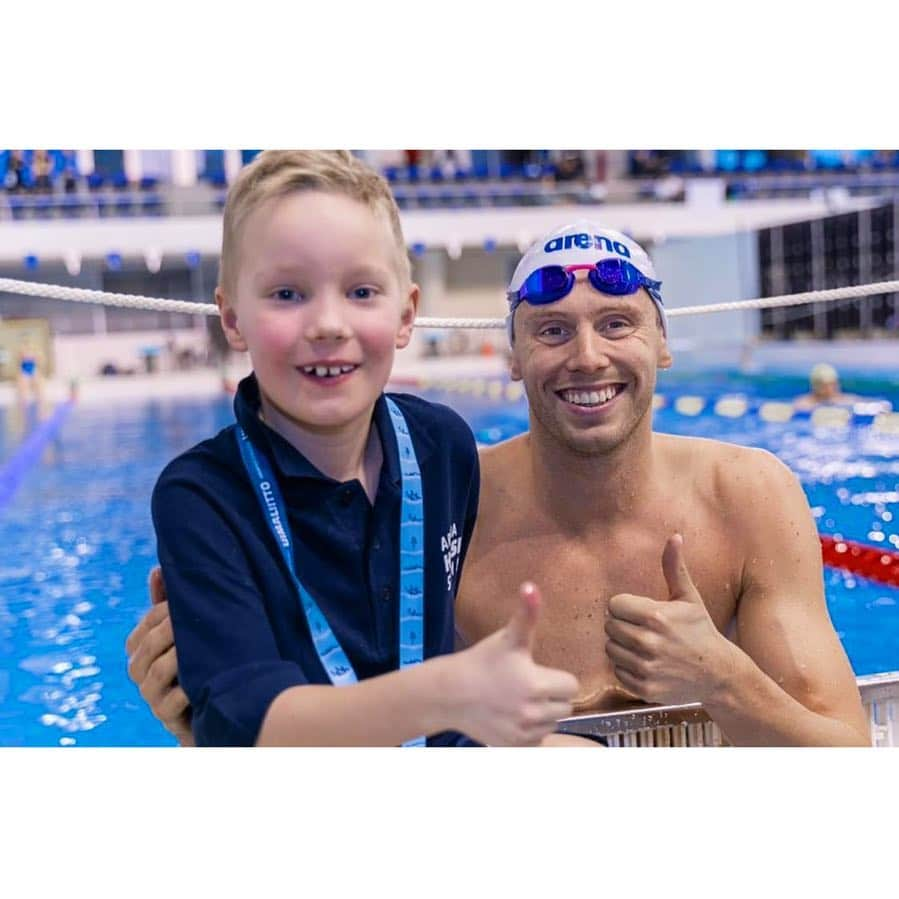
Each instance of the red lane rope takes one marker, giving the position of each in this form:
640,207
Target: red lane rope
872,562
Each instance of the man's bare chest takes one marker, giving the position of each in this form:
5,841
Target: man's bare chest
578,577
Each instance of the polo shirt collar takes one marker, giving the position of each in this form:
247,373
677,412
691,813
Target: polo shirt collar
291,463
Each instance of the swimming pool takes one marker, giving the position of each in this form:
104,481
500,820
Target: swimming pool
78,540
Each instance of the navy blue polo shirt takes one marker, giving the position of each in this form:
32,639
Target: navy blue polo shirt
240,632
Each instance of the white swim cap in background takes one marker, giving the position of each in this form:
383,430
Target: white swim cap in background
584,242
823,373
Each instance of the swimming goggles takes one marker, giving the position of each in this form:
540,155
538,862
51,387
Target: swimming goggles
617,277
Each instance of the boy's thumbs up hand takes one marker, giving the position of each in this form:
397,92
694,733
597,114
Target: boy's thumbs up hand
505,697
668,650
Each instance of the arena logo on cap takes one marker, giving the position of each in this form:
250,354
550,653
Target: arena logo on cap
586,242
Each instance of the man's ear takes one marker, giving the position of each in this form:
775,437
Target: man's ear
514,367
407,318
228,317
665,359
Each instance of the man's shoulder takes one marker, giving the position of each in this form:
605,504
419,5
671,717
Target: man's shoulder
726,456
736,476
505,472
504,464
500,456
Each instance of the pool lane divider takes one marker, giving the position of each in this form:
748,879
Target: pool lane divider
29,452
870,562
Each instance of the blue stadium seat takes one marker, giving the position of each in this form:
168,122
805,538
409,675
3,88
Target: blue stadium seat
148,182
95,181
829,160
754,160
508,170
727,160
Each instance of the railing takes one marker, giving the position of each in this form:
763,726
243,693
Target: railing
167,200
690,725
100,204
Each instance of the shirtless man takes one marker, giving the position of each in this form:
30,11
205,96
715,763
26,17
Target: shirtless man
672,569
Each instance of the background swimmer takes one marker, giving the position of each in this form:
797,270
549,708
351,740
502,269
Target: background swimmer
825,383
29,377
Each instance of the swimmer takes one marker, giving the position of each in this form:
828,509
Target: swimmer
673,569
29,379
825,384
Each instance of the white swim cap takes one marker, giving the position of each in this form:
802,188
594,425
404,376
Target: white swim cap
823,373
584,243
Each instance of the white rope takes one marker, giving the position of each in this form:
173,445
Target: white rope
103,298
81,295
793,299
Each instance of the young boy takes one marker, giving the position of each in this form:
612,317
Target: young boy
317,542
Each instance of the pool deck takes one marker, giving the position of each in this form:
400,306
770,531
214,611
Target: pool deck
208,382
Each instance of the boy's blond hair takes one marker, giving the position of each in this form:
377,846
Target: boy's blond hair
276,173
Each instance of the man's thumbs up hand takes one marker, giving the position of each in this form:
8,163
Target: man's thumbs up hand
674,566
668,650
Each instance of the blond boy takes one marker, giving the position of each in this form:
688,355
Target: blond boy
311,551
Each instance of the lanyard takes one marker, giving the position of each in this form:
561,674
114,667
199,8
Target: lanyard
411,602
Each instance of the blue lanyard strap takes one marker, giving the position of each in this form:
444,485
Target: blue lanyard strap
412,564
411,601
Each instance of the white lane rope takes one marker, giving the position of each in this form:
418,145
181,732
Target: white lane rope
157,304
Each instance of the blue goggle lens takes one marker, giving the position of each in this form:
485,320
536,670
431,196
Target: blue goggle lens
616,277
546,285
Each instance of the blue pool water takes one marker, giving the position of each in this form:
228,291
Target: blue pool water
78,541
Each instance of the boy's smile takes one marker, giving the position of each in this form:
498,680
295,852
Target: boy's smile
329,372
